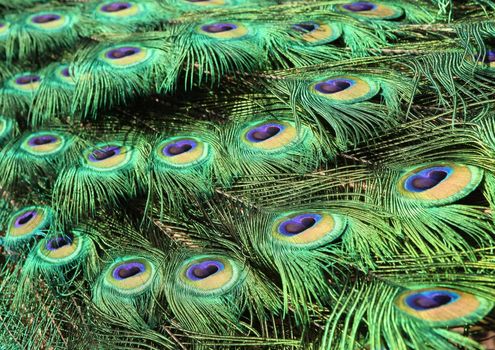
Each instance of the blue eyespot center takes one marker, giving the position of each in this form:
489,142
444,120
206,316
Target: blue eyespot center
179,147
427,300
359,6
24,218
104,153
298,224
122,52
128,270
426,179
489,57
333,86
45,18
218,27
58,242
41,140
264,132
204,269
27,79
305,27
65,72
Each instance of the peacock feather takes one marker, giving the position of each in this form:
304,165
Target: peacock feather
227,174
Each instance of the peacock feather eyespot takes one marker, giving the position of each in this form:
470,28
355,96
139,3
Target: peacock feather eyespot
209,274
118,9
223,30
307,229
430,299
28,222
108,156
439,183
130,275
205,2
371,10
488,59
44,143
125,56
63,74
317,32
61,249
25,82
182,151
345,88
4,28
443,307
49,21
269,135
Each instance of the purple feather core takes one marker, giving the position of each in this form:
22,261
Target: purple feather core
28,79
430,299
427,178
179,147
489,57
2,25
263,132
359,6
305,27
104,153
24,218
65,72
298,224
116,7
333,86
41,140
218,27
204,269
127,270
45,18
58,242
122,52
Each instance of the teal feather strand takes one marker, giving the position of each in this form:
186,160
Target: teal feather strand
25,225
134,297
103,82
284,145
352,119
205,57
185,166
36,154
55,94
104,174
187,6
212,303
60,258
127,17
326,240
43,29
17,93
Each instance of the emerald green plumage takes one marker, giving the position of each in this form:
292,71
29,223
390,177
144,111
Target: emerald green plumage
227,174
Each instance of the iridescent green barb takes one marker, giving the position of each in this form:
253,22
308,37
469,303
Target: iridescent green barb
247,174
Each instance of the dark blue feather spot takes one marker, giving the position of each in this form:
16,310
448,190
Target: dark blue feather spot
427,300
128,270
359,6
218,27
333,86
45,18
426,179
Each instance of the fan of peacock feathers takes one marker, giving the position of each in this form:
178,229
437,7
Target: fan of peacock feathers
230,174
